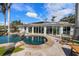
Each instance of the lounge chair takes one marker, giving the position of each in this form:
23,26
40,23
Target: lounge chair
74,49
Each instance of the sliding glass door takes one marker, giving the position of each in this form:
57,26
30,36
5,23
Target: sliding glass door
39,29
49,30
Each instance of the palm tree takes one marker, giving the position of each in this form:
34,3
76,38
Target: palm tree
8,18
14,24
9,5
53,18
3,10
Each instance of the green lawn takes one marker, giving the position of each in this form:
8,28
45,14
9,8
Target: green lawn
2,50
17,49
76,41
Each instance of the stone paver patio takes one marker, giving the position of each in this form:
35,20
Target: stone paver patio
54,50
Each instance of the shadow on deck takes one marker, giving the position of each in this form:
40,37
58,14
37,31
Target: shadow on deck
68,52
9,51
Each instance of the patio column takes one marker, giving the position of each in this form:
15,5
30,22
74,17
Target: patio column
56,30
22,28
71,31
52,30
27,30
32,30
61,30
76,30
45,30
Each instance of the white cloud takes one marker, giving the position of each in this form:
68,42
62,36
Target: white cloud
62,13
22,7
32,14
54,6
29,8
18,7
58,10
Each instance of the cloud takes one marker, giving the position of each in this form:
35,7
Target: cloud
29,8
18,7
32,14
58,10
62,13
22,7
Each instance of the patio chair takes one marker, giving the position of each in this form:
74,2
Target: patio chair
74,49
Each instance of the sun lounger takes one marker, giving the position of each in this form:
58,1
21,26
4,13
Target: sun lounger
75,49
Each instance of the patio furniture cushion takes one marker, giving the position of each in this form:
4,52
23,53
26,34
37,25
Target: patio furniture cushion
75,48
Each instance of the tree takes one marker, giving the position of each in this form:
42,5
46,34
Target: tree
15,24
3,8
8,8
53,18
70,19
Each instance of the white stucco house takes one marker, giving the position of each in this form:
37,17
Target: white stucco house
49,28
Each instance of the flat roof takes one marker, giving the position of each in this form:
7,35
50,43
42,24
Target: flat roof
49,24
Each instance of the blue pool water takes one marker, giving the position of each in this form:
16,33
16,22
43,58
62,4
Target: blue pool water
12,38
35,40
32,40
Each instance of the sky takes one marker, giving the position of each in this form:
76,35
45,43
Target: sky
35,12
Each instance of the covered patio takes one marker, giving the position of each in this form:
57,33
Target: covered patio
49,28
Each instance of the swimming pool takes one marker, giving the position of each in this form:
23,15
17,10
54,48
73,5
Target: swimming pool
12,38
35,40
31,40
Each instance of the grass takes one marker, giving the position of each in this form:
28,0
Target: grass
17,49
68,40
76,41
2,50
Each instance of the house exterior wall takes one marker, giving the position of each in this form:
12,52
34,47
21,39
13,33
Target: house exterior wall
76,30
47,26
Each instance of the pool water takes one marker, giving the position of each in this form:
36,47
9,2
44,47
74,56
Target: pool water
12,38
32,40
35,40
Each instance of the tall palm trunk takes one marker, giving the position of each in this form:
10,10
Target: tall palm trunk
8,21
76,31
5,21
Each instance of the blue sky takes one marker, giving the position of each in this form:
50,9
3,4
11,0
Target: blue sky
34,12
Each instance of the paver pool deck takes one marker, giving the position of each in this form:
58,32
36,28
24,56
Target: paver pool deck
53,50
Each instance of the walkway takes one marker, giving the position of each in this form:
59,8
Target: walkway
54,50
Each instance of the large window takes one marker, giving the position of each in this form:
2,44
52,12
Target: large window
41,29
24,28
38,29
66,30
30,29
56,30
49,30
35,29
